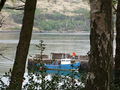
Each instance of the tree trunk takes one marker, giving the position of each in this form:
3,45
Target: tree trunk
101,42
23,46
2,3
117,55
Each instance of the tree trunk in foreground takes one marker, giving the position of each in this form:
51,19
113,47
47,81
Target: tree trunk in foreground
2,3
117,55
23,46
101,42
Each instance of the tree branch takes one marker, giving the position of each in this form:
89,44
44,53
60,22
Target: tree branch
22,1
115,10
2,4
2,20
17,8
5,57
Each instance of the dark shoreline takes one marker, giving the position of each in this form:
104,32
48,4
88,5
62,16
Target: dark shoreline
18,31
9,31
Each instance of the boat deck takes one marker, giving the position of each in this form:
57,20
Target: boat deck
46,60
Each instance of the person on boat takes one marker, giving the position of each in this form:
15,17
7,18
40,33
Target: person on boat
73,55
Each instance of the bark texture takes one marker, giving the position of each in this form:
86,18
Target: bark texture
101,42
23,46
117,55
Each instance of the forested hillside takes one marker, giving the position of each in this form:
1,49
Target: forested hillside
51,16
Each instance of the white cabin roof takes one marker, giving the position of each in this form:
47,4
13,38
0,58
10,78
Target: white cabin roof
66,61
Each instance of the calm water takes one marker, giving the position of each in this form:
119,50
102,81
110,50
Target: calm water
55,42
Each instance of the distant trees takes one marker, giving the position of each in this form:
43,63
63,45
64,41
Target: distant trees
101,45
23,46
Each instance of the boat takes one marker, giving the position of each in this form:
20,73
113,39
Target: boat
63,65
57,62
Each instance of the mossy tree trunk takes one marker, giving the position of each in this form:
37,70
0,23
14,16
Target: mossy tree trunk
23,46
101,42
117,55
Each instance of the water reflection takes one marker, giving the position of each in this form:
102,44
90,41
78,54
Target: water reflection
73,74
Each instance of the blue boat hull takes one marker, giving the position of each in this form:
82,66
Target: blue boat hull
63,66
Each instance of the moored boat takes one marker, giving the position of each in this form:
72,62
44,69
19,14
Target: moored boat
64,64
56,61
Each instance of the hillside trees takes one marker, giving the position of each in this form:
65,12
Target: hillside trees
23,46
101,45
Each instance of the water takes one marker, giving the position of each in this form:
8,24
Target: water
55,42
74,74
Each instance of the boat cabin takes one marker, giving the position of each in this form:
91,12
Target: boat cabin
66,61
58,56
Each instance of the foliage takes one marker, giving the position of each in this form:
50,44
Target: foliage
115,86
56,20
44,81
5,78
17,17
86,1
114,6
54,82
115,2
41,47
15,28
82,11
